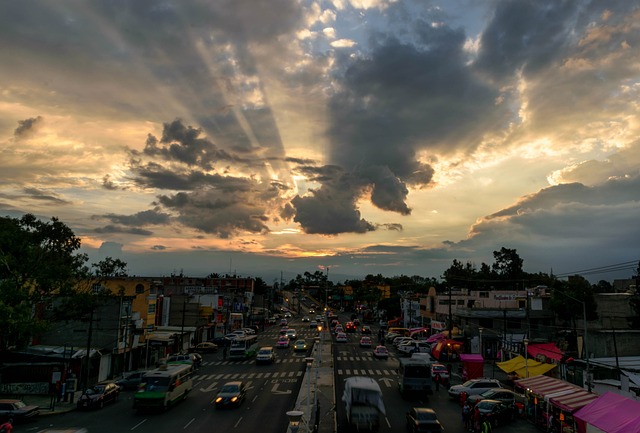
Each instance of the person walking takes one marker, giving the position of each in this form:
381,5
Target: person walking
466,415
437,380
486,427
7,427
476,420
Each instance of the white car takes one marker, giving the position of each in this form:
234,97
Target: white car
249,331
292,334
341,337
473,387
409,347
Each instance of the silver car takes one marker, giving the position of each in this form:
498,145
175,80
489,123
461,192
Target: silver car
473,387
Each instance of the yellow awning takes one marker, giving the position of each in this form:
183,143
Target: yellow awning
519,365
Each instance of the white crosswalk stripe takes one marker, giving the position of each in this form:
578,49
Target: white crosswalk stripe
361,372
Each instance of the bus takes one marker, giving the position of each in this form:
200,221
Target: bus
243,347
163,387
414,377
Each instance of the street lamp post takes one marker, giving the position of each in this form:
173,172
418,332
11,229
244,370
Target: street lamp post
295,417
480,342
526,354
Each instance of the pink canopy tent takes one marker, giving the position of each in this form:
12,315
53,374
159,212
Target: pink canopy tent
472,366
548,350
610,413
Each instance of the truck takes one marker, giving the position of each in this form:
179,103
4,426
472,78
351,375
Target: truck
414,377
363,403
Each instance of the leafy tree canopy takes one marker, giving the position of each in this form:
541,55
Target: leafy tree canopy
39,260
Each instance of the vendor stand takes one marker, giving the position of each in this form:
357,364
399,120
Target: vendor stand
551,402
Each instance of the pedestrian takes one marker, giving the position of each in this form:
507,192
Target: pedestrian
437,380
476,420
486,427
466,415
7,427
224,352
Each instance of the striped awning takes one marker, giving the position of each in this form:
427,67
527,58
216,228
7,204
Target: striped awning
563,395
573,401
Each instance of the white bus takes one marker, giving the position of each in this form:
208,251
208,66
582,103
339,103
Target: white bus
243,347
163,387
414,377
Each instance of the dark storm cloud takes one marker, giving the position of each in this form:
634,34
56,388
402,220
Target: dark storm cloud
27,127
38,194
218,213
110,229
564,221
526,35
401,99
139,219
332,208
183,144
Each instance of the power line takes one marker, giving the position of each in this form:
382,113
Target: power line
631,265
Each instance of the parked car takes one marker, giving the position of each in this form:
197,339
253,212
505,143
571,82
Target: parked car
130,381
232,394
341,337
365,341
206,347
423,420
504,395
300,346
283,342
17,410
381,352
473,386
99,395
265,355
181,358
409,347
496,412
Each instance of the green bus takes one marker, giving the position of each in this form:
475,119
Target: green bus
243,347
163,387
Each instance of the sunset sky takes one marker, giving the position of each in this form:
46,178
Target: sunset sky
273,137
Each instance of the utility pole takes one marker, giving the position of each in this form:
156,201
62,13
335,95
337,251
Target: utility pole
450,316
85,380
184,307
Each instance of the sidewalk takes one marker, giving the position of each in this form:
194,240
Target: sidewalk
49,405
318,386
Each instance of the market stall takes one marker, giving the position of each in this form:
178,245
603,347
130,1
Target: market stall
551,402
472,366
609,413
521,368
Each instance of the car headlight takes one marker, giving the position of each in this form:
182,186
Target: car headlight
218,400
234,399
